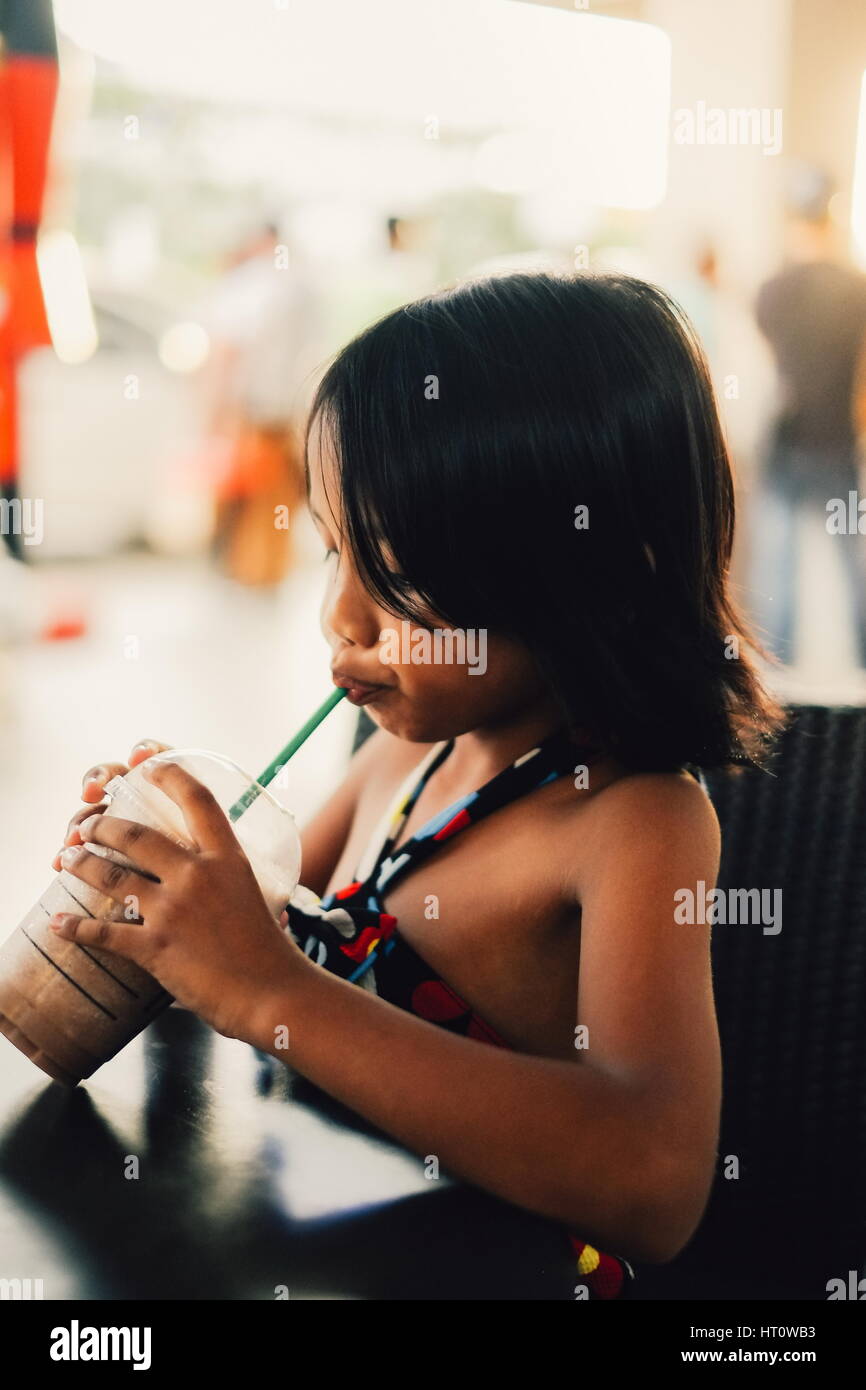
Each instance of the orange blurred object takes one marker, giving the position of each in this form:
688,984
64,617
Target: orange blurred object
28,88
64,626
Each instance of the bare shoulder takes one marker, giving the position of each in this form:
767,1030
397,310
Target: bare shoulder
643,819
673,800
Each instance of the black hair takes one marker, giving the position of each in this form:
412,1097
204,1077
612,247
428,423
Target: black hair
470,426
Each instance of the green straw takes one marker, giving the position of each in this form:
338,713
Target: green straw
247,798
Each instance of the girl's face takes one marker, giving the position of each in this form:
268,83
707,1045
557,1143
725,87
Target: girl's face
432,685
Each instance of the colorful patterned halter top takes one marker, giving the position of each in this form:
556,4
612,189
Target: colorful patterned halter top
350,933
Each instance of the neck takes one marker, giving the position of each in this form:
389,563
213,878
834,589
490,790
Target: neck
481,753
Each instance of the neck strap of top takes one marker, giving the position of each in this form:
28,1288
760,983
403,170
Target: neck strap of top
554,756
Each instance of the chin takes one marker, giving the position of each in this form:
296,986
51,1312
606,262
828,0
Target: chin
415,727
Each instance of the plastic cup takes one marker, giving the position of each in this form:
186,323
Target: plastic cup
71,1007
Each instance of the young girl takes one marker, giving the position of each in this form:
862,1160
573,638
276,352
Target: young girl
526,505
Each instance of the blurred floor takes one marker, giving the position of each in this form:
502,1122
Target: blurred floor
214,667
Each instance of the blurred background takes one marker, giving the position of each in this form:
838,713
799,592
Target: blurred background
201,200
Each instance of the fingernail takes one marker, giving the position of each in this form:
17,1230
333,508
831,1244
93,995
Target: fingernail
60,920
69,855
96,775
86,826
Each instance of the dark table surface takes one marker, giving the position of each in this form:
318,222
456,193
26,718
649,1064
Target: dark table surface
250,1180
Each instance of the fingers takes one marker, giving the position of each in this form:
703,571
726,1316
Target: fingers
146,749
127,939
94,781
150,850
205,818
79,816
109,878
95,778
73,834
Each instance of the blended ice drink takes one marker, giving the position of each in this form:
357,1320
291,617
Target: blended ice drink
71,1007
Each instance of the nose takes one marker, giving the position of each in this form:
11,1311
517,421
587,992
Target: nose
348,614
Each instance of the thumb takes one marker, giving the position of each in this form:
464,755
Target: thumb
124,938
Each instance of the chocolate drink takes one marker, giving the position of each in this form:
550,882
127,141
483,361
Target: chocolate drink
71,1007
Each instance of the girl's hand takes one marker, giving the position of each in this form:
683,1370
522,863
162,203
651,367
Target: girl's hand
194,917
93,785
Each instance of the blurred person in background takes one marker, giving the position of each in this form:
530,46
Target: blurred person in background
262,320
813,314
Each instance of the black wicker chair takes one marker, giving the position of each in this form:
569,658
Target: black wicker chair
792,1019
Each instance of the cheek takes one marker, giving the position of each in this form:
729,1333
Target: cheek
436,700
484,672
474,676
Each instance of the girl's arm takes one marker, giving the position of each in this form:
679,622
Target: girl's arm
618,1144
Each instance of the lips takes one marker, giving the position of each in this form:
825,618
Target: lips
358,692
